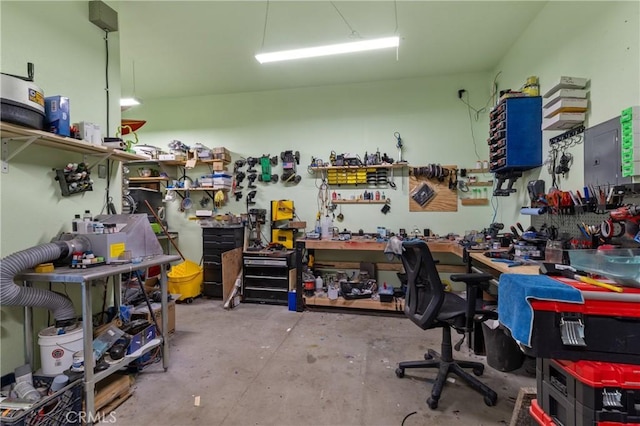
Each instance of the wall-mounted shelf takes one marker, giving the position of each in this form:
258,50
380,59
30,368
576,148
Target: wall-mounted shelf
11,132
488,183
198,189
148,179
359,201
199,162
380,166
478,171
474,201
365,176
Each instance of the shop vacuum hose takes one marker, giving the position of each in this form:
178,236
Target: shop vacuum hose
13,294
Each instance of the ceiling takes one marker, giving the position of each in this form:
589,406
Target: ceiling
190,48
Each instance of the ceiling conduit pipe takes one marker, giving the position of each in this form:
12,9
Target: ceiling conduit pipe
15,295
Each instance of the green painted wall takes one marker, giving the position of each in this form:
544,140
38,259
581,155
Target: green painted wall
433,122
596,40
69,56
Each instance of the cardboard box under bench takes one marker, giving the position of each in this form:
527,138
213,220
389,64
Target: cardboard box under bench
143,312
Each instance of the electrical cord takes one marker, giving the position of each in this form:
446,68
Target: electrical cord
477,111
106,72
407,416
354,33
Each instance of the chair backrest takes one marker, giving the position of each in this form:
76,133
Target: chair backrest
425,292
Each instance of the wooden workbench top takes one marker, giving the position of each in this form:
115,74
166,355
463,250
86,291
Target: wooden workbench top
503,267
436,246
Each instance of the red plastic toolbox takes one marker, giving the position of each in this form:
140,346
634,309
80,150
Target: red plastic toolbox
589,392
539,415
609,328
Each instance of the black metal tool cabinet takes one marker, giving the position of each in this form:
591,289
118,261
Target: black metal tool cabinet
267,277
216,241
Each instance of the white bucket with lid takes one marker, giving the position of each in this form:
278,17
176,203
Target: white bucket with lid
56,350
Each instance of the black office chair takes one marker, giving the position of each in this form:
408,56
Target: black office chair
429,306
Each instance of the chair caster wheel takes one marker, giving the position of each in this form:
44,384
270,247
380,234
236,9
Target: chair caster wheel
478,371
432,403
188,300
428,356
491,399
400,372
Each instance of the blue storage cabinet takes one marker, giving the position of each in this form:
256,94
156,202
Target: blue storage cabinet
515,135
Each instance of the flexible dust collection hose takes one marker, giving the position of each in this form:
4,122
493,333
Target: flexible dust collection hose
12,294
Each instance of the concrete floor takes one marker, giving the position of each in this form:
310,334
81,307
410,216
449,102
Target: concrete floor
265,365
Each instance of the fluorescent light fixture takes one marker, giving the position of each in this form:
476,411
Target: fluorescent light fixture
129,102
333,49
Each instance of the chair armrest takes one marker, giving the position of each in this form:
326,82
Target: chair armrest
471,278
473,282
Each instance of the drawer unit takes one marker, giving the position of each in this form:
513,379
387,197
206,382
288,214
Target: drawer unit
267,277
515,135
216,241
588,392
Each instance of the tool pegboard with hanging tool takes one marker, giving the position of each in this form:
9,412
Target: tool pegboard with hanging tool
601,219
431,188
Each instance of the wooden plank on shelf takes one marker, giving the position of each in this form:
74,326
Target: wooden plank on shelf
396,306
51,140
111,389
359,201
487,183
231,267
478,171
474,201
147,179
520,415
444,200
379,166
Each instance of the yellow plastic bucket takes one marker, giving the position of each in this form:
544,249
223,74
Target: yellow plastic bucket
186,279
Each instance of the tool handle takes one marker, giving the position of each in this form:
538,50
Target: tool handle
600,284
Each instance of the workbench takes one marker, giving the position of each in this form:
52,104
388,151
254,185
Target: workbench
84,277
480,263
369,248
475,262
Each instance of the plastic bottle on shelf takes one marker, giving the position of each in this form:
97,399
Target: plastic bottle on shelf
74,223
334,196
319,283
377,195
87,216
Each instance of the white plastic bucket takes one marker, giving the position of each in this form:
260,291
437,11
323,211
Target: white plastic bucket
56,350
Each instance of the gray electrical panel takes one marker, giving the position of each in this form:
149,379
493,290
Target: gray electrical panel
602,162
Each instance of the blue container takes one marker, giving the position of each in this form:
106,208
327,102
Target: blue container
293,304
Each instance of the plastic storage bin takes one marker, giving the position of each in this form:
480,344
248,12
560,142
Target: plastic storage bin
64,407
186,279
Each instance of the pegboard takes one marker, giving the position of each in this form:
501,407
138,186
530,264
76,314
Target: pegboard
569,223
